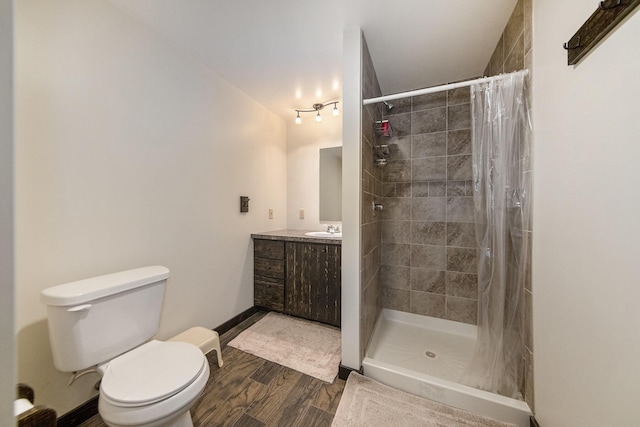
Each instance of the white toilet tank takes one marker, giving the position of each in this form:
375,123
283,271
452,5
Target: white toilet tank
92,321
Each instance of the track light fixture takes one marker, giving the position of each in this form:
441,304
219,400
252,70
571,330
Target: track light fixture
316,109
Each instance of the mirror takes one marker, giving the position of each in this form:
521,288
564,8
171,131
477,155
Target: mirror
331,184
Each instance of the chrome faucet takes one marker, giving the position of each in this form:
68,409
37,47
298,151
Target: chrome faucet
333,228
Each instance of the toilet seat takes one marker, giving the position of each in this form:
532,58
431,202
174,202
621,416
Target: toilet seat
157,414
149,373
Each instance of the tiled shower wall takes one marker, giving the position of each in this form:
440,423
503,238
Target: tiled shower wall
428,231
513,51
371,191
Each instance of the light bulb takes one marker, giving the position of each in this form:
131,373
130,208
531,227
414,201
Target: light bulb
318,117
298,119
335,110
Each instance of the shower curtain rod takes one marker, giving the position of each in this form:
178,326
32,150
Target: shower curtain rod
435,89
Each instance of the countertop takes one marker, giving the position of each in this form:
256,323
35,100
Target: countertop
296,236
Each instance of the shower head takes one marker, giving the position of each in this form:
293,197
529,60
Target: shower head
389,106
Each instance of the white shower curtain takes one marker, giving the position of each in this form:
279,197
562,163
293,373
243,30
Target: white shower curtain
501,132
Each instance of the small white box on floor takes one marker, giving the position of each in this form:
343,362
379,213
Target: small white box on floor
203,338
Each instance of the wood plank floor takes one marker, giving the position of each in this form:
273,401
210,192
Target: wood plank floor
249,391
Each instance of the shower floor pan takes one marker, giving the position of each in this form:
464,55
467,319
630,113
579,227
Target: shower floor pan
426,356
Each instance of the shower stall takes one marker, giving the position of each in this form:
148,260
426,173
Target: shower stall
454,246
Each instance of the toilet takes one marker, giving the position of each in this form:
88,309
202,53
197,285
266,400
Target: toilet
106,323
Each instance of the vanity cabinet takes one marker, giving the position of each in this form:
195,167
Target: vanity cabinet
299,278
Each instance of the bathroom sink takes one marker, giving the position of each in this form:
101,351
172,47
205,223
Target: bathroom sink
324,234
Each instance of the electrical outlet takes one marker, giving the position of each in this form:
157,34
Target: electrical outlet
301,214
270,213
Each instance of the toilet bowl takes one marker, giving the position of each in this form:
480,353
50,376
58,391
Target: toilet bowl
107,322
146,388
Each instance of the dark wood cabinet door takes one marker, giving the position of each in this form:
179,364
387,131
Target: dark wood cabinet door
313,286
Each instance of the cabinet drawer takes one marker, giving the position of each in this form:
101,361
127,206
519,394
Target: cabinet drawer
272,249
265,267
268,294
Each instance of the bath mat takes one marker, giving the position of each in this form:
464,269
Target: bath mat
308,347
366,402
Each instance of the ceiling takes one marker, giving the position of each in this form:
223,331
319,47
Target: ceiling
287,54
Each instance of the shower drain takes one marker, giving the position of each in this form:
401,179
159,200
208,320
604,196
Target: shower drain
430,354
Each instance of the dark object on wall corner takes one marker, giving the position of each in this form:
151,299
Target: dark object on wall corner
533,422
244,204
344,371
24,391
608,14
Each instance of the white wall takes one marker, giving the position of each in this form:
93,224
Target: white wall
304,142
586,238
7,373
351,203
131,153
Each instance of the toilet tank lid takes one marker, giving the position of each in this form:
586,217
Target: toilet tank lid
93,288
